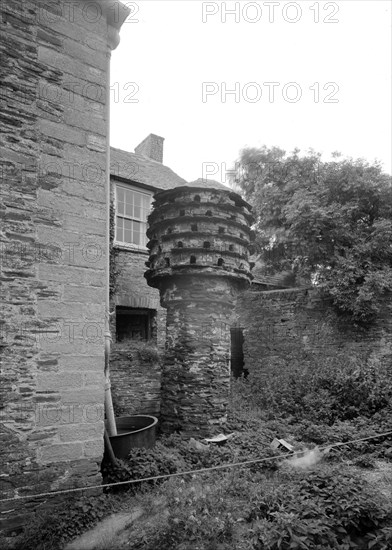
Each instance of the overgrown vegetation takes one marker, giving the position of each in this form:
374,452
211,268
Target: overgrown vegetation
327,222
114,269
333,505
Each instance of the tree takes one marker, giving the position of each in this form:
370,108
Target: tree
328,222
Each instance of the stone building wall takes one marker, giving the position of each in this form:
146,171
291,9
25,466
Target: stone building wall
136,380
53,244
279,325
133,291
135,385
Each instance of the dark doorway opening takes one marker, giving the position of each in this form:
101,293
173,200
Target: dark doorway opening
134,324
237,353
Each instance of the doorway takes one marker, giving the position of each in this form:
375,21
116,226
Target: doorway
237,352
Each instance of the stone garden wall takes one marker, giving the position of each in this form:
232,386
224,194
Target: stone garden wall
283,324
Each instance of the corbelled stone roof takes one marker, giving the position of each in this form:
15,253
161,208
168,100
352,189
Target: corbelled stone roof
141,169
209,184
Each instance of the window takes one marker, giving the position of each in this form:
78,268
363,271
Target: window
134,324
132,209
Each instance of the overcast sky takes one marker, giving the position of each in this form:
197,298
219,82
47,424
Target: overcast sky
302,74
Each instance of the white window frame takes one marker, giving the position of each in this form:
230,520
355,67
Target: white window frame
122,244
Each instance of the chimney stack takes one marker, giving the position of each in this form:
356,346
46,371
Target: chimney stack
151,147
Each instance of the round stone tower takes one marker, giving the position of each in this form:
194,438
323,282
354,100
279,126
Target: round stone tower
199,238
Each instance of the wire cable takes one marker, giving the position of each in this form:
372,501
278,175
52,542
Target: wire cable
189,472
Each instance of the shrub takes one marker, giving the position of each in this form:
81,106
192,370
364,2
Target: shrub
325,509
324,390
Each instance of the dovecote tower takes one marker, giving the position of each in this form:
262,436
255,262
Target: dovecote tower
199,239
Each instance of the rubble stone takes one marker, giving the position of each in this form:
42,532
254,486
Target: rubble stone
198,259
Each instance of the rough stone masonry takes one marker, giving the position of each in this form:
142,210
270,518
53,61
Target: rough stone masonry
199,261
54,156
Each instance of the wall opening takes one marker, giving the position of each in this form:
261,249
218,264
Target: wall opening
237,353
135,324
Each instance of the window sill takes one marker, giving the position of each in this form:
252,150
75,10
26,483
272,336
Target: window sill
131,248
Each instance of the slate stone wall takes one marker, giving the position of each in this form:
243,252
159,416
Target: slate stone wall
53,247
283,324
132,290
199,261
196,371
135,379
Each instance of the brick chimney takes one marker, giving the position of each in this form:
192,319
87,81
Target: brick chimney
151,147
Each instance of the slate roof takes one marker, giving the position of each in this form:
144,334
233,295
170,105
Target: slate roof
141,169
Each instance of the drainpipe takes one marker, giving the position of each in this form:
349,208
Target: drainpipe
114,20
111,422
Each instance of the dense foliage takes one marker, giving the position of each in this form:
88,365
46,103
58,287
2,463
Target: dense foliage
327,222
269,504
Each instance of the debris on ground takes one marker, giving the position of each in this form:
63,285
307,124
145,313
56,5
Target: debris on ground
282,444
219,439
193,444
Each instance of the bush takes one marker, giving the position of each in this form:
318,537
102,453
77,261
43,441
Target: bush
324,390
326,509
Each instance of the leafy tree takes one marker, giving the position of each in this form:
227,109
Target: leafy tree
327,222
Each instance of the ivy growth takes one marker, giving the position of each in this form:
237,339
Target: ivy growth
114,269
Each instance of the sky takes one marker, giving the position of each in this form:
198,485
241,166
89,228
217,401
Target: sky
215,77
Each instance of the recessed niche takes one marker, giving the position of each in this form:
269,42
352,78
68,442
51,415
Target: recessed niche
208,213
206,244
194,227
180,244
221,230
197,198
231,247
169,230
167,262
192,260
220,262
182,212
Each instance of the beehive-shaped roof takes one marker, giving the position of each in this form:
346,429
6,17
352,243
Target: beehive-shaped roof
199,230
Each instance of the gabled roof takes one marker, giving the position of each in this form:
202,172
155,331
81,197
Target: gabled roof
140,169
